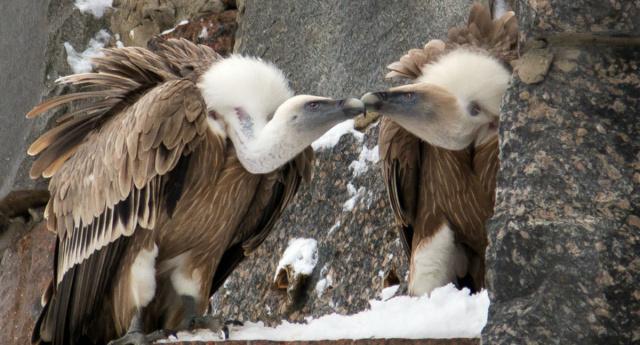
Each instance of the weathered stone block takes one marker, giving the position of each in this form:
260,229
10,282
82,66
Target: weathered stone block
25,272
544,17
563,265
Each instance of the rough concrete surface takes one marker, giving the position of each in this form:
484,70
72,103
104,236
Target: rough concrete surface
32,56
340,48
22,62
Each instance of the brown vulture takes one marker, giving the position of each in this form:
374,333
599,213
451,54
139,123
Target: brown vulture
439,145
169,168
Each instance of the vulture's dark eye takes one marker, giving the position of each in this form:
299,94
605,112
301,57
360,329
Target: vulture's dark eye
409,96
474,108
313,106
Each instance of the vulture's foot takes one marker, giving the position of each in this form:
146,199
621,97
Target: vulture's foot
139,338
213,323
192,321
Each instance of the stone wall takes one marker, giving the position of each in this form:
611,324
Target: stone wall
564,241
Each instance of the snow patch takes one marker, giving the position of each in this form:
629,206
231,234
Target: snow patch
388,292
301,255
81,62
366,156
447,313
332,137
95,7
355,195
322,285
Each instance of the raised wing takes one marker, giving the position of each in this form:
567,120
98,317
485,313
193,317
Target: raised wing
499,37
400,154
109,161
275,192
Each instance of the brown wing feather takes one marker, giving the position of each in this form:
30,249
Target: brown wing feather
275,192
499,37
109,161
400,154
126,155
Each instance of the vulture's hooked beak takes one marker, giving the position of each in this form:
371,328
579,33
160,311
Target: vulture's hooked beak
351,107
376,101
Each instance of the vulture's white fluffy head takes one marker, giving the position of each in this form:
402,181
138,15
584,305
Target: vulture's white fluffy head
242,89
453,104
267,124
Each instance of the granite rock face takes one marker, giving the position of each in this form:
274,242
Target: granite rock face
564,241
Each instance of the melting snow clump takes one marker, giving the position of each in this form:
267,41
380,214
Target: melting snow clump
301,255
321,285
81,62
367,156
355,195
332,137
447,313
388,292
95,7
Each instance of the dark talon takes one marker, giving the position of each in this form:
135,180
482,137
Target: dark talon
234,323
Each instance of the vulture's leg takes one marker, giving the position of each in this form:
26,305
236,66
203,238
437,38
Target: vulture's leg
135,334
137,289
192,321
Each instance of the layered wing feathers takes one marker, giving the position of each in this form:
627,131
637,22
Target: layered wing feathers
136,117
400,154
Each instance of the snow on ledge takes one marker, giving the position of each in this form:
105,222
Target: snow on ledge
332,136
447,313
95,7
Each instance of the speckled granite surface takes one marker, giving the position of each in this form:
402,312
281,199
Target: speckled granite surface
563,259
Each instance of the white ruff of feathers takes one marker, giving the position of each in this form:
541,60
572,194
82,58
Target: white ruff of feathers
256,89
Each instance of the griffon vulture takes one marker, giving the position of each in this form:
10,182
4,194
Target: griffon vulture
439,144
173,166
